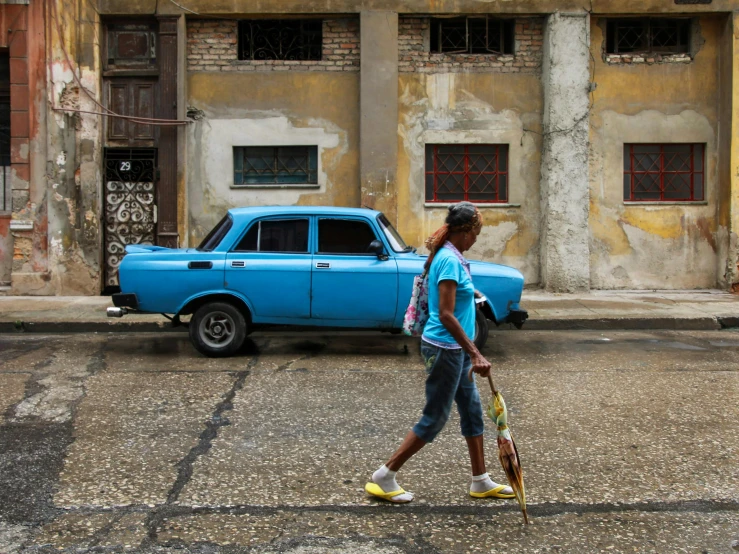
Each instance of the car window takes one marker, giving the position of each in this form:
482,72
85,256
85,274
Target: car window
393,237
344,236
216,234
286,235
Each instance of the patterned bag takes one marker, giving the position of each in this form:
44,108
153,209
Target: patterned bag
417,312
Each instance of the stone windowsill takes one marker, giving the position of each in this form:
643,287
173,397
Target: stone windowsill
666,203
20,225
478,204
291,186
627,59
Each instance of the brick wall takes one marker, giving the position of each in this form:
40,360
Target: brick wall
414,55
212,45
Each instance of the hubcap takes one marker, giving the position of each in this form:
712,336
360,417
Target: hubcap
217,329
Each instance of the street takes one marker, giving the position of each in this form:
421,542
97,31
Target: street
133,441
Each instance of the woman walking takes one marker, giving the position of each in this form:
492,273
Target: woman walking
449,355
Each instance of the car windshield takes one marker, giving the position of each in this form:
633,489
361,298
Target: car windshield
216,234
393,237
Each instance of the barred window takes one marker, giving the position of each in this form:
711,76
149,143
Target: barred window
648,35
664,172
472,35
280,39
473,172
275,165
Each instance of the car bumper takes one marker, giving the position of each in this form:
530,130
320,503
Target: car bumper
517,317
123,302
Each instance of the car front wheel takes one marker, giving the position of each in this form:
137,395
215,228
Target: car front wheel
481,329
217,329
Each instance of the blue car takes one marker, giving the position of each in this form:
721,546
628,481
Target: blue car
301,266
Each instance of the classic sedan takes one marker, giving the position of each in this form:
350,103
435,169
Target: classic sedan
300,266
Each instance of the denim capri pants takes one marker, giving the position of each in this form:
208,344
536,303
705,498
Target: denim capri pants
447,381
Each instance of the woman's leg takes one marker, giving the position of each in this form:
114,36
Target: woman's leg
411,444
471,419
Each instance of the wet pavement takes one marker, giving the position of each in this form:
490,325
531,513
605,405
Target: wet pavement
134,442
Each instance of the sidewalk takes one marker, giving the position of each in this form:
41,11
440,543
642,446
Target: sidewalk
687,310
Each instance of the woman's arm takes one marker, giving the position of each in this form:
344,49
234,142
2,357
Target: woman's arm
447,300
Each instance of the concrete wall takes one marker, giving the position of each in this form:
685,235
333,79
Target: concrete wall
659,246
474,108
270,109
564,171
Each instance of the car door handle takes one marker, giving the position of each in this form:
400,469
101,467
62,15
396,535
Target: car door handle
238,263
200,265
323,265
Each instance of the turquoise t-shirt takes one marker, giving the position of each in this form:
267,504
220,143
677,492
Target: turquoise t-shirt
447,267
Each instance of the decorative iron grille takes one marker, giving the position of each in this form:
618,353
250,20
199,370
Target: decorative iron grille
280,39
472,35
275,165
664,172
130,196
473,172
648,35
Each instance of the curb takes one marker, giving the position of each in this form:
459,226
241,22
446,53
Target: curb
707,323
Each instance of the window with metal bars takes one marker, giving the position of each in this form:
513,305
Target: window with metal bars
648,35
280,39
472,35
664,172
472,172
275,165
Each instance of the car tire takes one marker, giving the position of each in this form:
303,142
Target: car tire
217,329
481,329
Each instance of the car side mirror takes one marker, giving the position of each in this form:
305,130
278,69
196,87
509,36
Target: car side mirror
376,247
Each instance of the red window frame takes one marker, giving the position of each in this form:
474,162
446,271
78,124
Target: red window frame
635,169
438,171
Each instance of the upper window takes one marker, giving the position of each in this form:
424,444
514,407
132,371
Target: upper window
131,45
472,35
280,39
344,236
664,172
275,165
648,35
472,172
288,235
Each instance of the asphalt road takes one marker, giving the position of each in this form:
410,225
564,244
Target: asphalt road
134,442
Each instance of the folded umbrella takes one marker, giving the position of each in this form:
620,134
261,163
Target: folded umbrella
507,451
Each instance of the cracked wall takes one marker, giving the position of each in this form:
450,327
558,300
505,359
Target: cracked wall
650,245
459,108
270,110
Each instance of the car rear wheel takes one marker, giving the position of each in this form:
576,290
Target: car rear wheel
217,329
481,329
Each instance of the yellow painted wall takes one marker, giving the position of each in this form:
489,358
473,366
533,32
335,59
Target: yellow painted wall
654,246
474,108
270,108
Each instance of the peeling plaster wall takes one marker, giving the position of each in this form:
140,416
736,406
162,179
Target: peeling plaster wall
270,110
666,246
474,108
74,164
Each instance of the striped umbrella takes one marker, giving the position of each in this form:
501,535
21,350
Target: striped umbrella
507,451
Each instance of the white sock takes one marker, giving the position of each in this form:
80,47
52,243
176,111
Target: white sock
386,480
483,483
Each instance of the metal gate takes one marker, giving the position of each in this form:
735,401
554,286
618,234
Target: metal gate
130,204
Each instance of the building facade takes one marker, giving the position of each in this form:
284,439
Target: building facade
599,138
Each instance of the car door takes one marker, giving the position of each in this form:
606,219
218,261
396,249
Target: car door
350,283
271,267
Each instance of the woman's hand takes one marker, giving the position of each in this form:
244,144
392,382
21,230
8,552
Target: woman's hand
480,366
